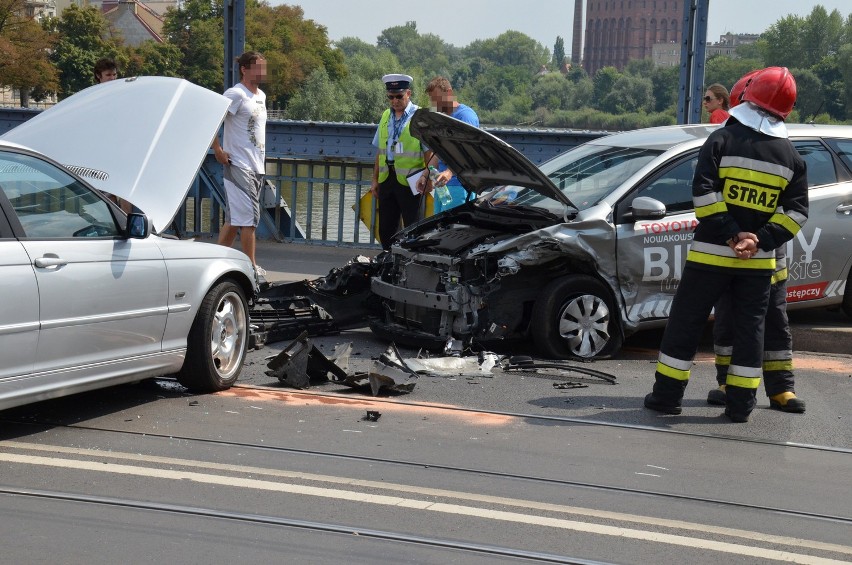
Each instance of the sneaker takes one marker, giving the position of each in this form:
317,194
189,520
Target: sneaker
739,418
261,272
787,402
717,396
654,403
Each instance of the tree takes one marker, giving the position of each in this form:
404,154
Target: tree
727,71
195,28
510,48
24,48
151,58
551,91
630,93
320,99
80,43
558,53
293,46
604,80
811,98
800,42
844,63
666,85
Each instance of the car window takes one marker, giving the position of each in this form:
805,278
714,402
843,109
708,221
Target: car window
673,187
50,203
819,161
844,150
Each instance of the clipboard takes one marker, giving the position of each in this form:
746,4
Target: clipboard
412,179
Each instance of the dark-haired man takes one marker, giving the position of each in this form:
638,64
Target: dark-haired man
242,153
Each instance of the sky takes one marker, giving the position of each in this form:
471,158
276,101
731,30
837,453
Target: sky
459,22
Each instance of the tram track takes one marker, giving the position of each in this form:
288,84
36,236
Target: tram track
558,419
326,527
550,481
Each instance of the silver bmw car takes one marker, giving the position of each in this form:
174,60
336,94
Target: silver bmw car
90,297
587,249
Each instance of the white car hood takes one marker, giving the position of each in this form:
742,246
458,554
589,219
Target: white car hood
142,139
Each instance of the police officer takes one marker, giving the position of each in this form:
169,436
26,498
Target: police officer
778,378
750,193
399,155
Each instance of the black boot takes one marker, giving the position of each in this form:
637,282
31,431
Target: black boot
739,403
667,395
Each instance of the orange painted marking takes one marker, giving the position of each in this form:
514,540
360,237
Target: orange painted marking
829,364
384,405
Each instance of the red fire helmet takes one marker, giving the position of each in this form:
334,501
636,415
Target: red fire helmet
774,90
739,88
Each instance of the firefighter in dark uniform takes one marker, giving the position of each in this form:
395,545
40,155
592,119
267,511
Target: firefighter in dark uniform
778,378
750,193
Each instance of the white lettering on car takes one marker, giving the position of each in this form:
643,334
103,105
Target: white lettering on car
658,266
804,266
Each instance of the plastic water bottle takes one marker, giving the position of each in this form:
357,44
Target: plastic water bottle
442,193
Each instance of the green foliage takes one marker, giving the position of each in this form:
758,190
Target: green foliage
604,80
727,71
195,28
510,49
666,82
80,43
558,53
499,77
810,100
320,99
294,48
629,93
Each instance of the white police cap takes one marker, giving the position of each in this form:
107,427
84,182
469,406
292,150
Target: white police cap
397,82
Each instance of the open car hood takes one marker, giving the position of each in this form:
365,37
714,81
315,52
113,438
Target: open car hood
142,139
480,160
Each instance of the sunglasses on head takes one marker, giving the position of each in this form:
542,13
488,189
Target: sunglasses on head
708,98
395,96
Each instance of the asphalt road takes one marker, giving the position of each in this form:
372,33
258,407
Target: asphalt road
496,467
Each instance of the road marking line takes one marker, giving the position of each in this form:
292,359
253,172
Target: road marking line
256,484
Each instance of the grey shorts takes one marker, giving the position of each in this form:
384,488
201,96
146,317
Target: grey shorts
242,189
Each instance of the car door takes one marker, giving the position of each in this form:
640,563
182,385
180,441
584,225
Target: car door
818,258
102,297
18,295
651,253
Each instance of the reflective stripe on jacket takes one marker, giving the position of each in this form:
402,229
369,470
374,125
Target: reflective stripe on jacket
746,181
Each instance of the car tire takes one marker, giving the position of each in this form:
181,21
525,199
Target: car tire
846,305
574,317
217,342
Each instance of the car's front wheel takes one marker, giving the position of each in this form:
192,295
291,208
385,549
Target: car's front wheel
846,305
217,341
574,317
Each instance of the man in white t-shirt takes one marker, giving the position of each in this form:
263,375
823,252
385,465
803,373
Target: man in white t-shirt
243,154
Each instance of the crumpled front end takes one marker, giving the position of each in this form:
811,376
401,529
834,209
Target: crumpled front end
475,282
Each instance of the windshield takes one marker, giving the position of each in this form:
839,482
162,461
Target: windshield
584,174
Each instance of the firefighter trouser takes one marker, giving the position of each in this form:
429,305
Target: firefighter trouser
697,292
395,200
777,341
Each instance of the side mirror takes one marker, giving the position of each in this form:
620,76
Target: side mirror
647,208
138,226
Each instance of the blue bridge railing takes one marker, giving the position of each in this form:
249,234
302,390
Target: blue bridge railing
317,174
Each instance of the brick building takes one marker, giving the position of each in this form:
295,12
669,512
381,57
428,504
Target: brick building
618,31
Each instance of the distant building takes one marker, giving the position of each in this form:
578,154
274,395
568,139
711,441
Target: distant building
40,9
158,6
729,43
618,31
666,54
135,21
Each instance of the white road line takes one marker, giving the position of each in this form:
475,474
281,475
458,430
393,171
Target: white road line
721,532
